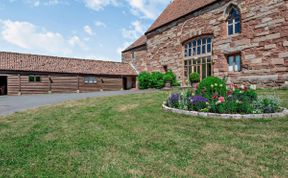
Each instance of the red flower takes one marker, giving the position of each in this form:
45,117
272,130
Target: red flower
230,92
221,99
236,86
215,96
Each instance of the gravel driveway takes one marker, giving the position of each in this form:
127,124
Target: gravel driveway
11,104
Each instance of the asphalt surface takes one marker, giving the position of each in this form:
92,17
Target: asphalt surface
12,104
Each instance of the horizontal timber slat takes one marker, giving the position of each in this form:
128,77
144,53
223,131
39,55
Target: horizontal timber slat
57,83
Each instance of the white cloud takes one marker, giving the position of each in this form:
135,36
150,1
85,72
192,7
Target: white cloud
88,30
123,47
147,8
134,31
76,41
37,3
29,36
99,4
100,24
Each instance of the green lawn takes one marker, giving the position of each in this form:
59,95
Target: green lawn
130,136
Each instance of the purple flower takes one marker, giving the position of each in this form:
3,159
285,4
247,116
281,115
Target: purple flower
174,100
175,97
198,99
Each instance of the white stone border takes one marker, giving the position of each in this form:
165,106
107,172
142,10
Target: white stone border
225,116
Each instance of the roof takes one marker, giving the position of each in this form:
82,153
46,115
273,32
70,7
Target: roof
139,42
39,63
177,9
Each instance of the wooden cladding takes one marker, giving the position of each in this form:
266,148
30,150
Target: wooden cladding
60,84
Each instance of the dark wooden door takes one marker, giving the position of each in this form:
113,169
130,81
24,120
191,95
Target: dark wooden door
125,82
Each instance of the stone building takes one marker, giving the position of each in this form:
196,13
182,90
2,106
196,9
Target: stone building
244,40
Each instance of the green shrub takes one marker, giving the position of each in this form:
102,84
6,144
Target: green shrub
211,86
241,95
168,77
230,106
194,77
157,80
251,95
268,104
171,76
144,80
185,99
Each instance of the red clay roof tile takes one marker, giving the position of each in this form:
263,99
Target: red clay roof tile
139,42
177,9
39,63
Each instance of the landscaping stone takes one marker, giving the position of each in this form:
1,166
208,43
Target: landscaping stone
226,116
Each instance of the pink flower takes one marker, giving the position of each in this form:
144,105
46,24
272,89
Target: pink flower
221,99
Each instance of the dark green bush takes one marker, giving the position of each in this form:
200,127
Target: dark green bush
194,77
211,86
240,95
144,80
157,80
172,76
168,77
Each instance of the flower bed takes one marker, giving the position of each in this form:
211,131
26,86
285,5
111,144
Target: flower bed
213,97
283,113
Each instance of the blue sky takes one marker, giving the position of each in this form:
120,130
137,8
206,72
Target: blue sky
97,29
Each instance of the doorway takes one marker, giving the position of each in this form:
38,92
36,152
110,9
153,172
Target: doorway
3,85
125,83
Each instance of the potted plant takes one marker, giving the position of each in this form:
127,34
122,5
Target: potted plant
194,78
168,78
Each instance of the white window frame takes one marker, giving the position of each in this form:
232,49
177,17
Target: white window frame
90,80
234,63
194,54
198,57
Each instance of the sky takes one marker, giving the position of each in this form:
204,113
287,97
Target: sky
91,29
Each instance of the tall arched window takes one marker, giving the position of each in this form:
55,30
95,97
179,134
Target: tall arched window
198,57
234,21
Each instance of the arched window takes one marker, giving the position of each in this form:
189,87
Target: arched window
198,57
234,21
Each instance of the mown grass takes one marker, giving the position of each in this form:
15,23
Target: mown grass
130,136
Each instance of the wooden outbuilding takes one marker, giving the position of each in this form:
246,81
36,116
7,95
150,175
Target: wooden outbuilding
22,74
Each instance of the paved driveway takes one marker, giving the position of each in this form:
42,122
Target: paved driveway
11,104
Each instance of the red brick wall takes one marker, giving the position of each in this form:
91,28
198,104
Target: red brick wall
263,43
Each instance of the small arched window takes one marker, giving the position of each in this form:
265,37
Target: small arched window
234,21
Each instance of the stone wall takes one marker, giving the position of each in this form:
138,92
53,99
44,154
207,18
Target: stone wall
263,42
140,58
